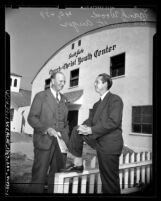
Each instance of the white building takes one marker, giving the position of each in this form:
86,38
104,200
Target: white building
19,106
123,50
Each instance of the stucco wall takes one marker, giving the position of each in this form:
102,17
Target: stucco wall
15,125
135,87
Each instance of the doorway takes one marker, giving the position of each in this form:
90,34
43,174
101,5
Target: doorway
72,119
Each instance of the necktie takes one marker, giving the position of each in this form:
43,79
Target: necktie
57,99
99,101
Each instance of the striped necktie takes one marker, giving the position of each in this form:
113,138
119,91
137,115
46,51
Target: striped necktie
57,99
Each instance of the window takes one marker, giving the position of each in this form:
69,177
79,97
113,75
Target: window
11,114
15,83
74,77
79,43
47,83
72,46
142,119
117,65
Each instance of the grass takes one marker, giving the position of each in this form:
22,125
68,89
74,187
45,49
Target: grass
21,165
20,137
20,168
20,174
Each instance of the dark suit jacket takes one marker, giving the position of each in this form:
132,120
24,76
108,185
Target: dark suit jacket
42,115
105,120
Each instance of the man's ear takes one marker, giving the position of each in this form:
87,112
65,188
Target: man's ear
106,84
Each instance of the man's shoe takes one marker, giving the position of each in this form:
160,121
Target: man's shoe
73,168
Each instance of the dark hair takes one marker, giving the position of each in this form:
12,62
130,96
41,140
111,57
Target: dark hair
106,78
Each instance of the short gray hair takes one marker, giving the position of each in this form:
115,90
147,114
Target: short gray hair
54,73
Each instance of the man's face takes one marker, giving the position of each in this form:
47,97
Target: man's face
58,82
99,85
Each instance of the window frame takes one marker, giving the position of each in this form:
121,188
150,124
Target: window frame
141,123
47,86
74,78
112,67
72,46
79,43
15,83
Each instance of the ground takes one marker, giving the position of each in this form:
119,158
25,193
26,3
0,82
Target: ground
21,160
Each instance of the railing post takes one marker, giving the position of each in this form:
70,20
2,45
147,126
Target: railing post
99,183
138,169
92,176
91,183
143,168
148,168
151,174
75,185
66,185
58,183
83,184
126,175
121,171
132,170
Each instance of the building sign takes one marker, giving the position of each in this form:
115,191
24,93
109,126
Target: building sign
75,54
80,59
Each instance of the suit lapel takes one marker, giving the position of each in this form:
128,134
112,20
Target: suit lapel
51,101
101,106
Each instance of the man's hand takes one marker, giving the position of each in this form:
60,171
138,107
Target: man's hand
84,130
53,132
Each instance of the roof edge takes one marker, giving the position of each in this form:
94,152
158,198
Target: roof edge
15,74
86,33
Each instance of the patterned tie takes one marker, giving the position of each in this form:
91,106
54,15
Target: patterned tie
100,100
57,99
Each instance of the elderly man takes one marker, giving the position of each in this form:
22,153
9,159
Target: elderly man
48,117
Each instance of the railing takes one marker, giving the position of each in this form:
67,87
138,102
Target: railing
135,172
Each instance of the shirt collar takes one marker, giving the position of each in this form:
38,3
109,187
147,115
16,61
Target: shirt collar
54,93
102,97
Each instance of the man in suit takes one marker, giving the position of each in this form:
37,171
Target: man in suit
48,117
102,131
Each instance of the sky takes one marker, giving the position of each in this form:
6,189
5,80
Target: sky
36,33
